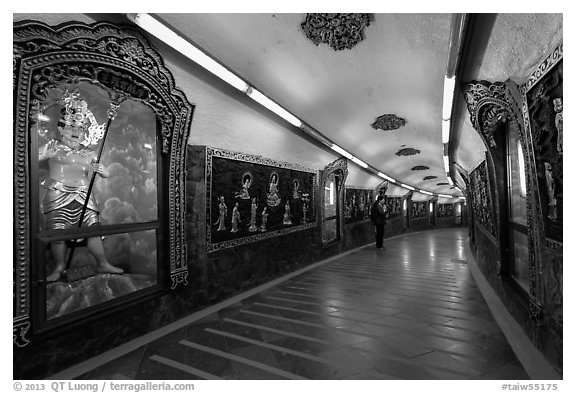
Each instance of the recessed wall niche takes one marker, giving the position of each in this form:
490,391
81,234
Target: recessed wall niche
82,94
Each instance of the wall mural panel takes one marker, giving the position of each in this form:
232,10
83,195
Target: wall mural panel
394,205
357,204
251,198
543,117
481,198
418,210
445,210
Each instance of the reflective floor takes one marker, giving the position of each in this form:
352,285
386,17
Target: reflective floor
411,311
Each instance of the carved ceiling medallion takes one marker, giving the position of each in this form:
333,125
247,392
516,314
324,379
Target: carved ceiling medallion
420,168
388,122
407,151
340,31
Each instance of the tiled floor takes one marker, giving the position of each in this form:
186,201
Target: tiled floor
412,311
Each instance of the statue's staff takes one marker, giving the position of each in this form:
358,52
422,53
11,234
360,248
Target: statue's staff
114,104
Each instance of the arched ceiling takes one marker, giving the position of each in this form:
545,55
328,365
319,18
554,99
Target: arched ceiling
398,68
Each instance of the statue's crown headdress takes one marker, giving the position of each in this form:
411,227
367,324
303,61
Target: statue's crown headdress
76,114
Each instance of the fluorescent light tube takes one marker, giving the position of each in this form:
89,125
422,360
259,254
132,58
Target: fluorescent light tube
445,131
274,107
386,177
448,99
407,186
338,149
170,37
359,162
446,164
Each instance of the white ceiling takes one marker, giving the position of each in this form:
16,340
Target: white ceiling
397,69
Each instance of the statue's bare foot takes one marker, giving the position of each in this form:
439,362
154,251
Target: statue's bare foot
108,268
55,276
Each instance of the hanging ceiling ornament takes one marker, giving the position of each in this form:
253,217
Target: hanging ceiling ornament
407,151
340,31
420,168
388,122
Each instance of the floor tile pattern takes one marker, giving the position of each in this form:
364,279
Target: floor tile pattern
411,311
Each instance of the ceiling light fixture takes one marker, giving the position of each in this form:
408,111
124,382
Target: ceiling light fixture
343,152
173,39
170,37
274,107
359,162
386,177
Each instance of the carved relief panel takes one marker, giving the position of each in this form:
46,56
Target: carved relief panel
251,198
418,210
357,204
481,198
445,210
543,120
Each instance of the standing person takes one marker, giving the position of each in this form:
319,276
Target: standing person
378,217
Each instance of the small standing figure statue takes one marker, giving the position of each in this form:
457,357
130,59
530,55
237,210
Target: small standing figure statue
287,220
264,219
551,191
305,199
559,120
223,209
253,227
235,218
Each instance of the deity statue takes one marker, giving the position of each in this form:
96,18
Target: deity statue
253,227
287,219
273,199
559,120
296,189
235,218
223,212
551,191
72,162
264,219
246,182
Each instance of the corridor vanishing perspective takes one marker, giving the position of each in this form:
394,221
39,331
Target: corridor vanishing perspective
412,311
